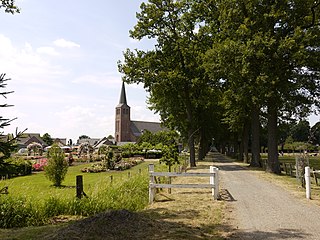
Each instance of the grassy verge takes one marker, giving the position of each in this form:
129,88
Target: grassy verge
32,201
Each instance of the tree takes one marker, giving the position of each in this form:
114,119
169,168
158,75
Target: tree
47,139
277,44
57,167
9,6
315,134
84,137
301,131
7,144
172,72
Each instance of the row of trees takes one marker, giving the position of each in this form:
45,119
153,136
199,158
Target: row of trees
221,69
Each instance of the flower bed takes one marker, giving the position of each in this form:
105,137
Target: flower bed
119,166
39,164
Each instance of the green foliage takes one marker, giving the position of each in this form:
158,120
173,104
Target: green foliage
9,6
47,139
16,167
57,167
301,131
161,137
7,144
170,156
315,134
173,72
84,137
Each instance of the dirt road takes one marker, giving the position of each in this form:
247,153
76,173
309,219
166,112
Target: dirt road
262,210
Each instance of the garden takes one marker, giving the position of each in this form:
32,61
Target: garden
44,190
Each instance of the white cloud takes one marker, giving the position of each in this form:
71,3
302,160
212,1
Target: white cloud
28,66
48,50
65,44
107,79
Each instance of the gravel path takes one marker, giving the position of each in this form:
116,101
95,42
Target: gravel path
263,210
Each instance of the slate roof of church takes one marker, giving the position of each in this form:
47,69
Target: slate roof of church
138,126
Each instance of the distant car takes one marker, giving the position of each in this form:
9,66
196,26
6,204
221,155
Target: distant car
22,151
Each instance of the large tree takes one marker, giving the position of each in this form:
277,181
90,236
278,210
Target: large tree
278,58
7,143
172,72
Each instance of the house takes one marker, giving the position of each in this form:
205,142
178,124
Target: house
104,141
91,141
60,141
127,130
28,138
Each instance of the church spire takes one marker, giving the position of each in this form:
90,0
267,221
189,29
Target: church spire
123,97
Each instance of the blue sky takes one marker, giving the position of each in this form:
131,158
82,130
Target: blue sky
62,58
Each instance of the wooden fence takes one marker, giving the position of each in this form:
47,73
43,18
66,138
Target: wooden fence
213,183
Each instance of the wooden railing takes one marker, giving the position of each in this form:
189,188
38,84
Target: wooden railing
213,181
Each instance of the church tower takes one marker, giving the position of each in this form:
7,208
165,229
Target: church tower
122,128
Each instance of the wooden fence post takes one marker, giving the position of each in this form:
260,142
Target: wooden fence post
151,182
111,179
308,184
215,180
79,186
212,180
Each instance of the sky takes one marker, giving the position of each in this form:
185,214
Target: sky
61,57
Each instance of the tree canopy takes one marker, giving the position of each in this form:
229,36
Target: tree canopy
221,66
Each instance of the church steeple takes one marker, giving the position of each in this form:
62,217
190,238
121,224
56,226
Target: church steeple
123,122
123,97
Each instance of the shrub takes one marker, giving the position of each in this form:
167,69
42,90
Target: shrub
16,167
57,167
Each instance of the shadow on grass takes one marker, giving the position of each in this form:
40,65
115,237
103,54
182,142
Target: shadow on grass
149,224
62,186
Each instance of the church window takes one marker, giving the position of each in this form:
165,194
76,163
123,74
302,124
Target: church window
118,111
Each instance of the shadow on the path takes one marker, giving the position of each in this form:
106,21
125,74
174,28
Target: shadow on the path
225,195
224,163
278,234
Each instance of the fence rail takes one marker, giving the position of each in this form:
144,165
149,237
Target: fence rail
213,179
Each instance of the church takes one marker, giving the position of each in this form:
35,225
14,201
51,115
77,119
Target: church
127,130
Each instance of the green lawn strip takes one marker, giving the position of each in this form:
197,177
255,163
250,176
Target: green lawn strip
38,187
32,200
314,161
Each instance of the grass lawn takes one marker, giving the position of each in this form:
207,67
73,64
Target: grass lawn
38,187
314,161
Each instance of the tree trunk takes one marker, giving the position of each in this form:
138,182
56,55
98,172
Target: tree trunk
240,143
191,148
245,139
273,164
255,142
203,145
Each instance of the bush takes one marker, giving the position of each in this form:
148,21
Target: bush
57,167
16,167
